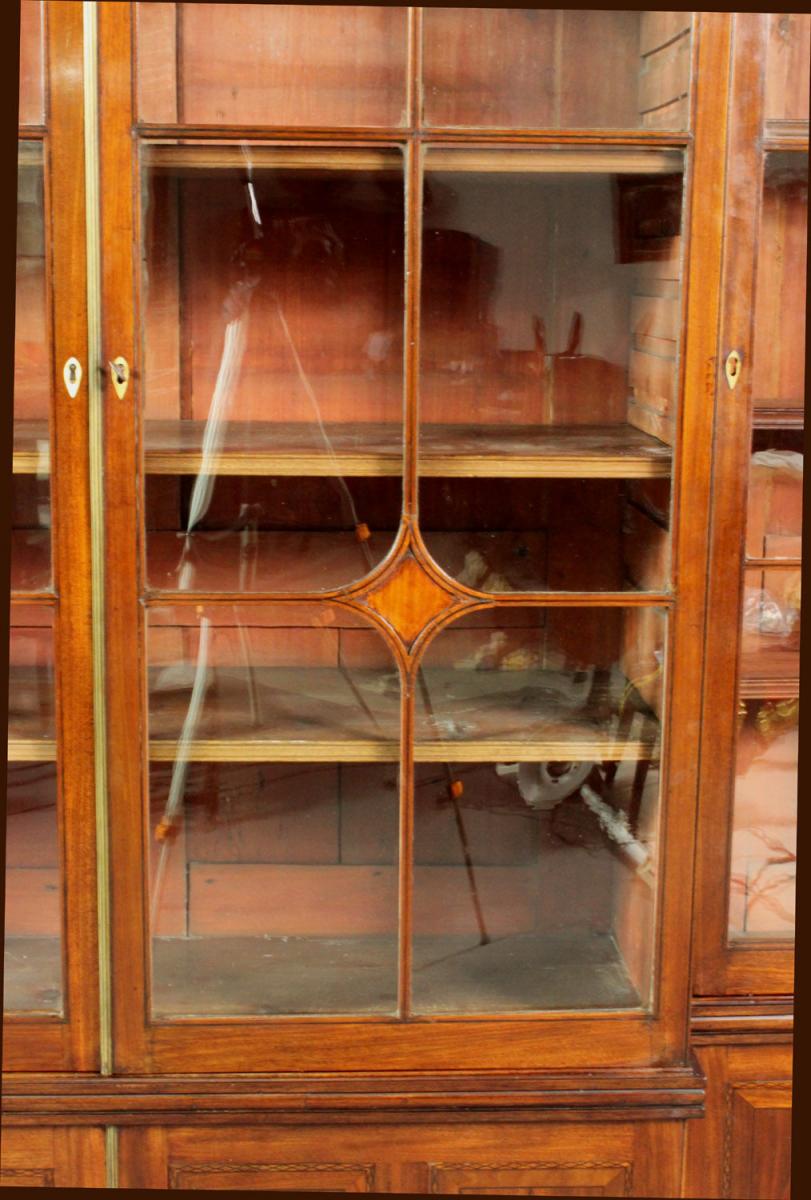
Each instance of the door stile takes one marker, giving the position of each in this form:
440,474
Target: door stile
124,624
700,374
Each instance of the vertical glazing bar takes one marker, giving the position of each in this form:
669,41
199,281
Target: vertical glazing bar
414,77
96,468
413,238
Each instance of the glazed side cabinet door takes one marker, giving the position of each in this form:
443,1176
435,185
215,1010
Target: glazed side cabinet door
50,990
747,855
405,494
639,1159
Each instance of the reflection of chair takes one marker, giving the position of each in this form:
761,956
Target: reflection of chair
632,705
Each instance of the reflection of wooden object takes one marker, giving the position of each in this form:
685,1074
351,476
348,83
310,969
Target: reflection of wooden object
787,69
32,65
774,506
778,353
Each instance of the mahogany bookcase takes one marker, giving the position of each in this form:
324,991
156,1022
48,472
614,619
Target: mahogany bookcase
405,598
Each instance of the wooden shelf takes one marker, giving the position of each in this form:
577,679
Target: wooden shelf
31,749
325,715
263,448
31,451
203,156
551,452
196,156
770,414
765,688
544,160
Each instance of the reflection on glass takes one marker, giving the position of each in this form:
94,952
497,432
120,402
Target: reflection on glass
33,969
556,68
273,394
764,834
550,316
536,820
31,512
32,63
274,738
764,831
774,518
787,66
770,646
778,354
271,64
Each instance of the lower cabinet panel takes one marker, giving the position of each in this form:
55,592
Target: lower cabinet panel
742,1147
59,1156
544,1159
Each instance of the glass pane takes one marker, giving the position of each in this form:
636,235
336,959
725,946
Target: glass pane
32,63
787,66
271,64
549,351
33,967
778,356
31,511
556,68
274,739
536,810
764,832
273,376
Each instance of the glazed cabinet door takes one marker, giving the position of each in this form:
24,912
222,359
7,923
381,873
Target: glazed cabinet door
50,982
405,492
749,793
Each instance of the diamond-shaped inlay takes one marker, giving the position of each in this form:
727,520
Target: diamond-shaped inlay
409,599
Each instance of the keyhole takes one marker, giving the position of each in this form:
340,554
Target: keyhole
72,372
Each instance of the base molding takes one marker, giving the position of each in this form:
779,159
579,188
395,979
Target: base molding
644,1094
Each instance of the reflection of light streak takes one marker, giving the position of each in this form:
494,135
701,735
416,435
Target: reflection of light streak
319,420
181,763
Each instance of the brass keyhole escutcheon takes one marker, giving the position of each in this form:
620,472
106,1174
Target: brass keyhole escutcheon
732,368
72,375
120,374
